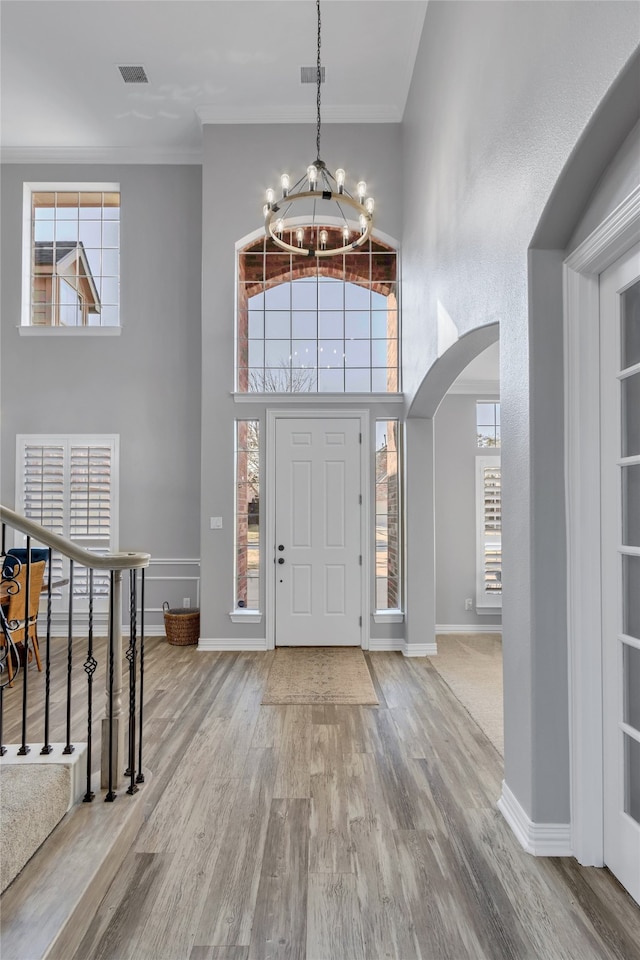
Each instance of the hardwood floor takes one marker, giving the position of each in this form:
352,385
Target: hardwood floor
335,832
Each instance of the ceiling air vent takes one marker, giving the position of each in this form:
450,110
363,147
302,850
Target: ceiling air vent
310,74
133,74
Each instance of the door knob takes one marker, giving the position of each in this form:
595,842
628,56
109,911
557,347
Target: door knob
281,560
281,546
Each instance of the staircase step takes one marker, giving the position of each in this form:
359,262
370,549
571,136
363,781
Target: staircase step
47,909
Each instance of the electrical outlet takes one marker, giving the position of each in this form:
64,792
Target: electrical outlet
186,601
468,604
215,523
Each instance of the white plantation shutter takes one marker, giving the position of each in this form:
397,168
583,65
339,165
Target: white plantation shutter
90,510
68,484
43,491
488,532
44,485
90,494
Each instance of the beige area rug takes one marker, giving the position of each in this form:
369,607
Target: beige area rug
471,666
319,675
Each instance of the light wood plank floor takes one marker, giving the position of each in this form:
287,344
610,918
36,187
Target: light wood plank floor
335,832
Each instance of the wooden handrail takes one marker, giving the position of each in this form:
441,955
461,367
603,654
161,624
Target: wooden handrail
112,561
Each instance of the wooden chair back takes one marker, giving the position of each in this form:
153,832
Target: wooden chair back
16,609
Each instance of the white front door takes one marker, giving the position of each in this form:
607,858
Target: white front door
318,532
620,419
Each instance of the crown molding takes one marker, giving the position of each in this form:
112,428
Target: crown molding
120,155
376,113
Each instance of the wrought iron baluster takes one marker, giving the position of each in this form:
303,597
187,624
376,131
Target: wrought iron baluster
111,795
140,777
69,748
47,748
24,748
132,658
90,665
3,749
4,539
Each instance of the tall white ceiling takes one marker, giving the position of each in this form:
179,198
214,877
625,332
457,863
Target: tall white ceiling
212,61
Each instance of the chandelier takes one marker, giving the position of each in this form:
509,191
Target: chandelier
316,195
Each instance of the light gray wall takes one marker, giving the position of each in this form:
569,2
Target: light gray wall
239,163
619,179
500,96
143,385
456,449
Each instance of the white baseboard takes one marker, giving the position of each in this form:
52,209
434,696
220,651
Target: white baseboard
385,643
419,649
540,839
100,629
401,646
232,644
468,628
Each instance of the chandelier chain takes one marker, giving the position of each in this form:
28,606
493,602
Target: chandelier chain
318,82
318,183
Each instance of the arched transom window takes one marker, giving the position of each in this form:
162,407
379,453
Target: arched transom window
317,325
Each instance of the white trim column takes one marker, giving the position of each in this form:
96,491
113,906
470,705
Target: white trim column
582,464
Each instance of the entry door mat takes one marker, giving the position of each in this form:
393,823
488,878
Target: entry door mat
320,675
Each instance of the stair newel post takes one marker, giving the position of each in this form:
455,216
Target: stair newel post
113,724
24,748
47,748
140,777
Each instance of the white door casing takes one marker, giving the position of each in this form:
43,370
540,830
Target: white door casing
609,241
316,513
620,489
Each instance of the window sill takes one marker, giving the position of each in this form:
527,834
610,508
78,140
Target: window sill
488,609
25,331
388,616
245,616
317,398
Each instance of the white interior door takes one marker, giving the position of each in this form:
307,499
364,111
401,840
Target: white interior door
620,417
318,532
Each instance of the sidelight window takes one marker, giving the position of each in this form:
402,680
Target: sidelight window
247,574
388,553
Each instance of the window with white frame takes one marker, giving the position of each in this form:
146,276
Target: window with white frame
71,255
69,485
488,423
388,552
488,533
247,574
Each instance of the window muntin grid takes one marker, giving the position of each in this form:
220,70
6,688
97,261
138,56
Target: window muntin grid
488,531
488,423
74,265
388,547
247,572
320,326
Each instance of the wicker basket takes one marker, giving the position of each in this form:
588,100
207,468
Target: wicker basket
181,625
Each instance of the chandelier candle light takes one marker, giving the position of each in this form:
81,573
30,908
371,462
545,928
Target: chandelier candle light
315,190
